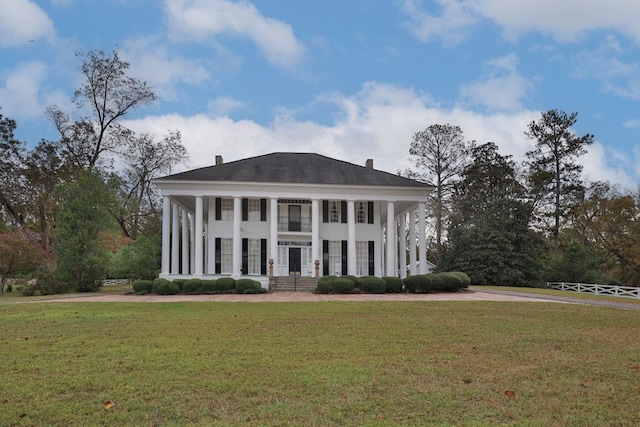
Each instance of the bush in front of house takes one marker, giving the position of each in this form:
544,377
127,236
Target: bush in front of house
418,283
393,284
466,280
372,284
167,288
180,283
249,286
143,286
192,287
225,285
156,283
209,287
344,285
326,284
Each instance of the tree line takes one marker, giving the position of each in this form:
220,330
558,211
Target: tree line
522,224
77,208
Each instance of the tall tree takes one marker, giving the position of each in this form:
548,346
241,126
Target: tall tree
144,160
488,235
20,252
81,255
12,186
555,176
105,97
440,153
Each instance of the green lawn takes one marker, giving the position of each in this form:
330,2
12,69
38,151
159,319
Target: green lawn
329,363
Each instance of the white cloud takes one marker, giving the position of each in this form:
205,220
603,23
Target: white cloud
502,88
223,105
22,21
450,25
163,69
206,19
20,92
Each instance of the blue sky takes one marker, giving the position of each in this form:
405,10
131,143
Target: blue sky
348,79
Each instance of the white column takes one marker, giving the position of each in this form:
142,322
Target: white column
315,232
175,259
392,241
273,237
185,241
237,239
351,238
197,253
211,238
192,247
402,261
412,242
166,236
422,229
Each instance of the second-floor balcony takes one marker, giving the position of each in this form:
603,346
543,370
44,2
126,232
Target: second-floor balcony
295,224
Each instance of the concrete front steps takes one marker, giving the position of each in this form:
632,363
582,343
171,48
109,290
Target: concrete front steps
292,284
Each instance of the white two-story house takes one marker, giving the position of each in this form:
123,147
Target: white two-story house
285,214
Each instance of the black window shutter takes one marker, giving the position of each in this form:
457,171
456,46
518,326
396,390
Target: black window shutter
344,257
245,209
263,210
370,212
325,257
263,255
218,254
372,261
245,256
344,213
325,211
218,208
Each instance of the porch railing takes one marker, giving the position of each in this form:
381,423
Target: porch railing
289,224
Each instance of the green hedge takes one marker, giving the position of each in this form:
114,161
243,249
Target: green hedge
143,286
344,285
326,284
180,283
192,287
418,283
249,286
393,284
209,287
156,283
225,284
372,284
167,288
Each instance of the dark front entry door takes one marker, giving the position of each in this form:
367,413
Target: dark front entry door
295,217
294,261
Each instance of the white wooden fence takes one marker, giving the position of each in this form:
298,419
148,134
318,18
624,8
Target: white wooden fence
590,288
113,282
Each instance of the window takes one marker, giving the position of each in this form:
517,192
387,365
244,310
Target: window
335,256
226,256
254,209
334,211
362,258
227,209
254,257
362,216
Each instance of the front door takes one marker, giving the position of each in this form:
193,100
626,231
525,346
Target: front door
294,261
295,217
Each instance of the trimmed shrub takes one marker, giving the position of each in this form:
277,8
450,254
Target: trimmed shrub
446,282
180,283
466,280
393,284
143,285
325,284
167,288
156,283
343,285
209,287
225,284
419,283
248,286
372,284
192,287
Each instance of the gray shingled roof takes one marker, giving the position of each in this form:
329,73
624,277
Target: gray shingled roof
302,168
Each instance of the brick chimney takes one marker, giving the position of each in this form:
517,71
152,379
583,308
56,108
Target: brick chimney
369,163
219,160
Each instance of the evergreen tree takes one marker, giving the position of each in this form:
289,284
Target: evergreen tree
488,236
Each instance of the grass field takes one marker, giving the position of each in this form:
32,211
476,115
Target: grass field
330,363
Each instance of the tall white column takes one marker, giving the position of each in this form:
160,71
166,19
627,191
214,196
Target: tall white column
402,260
198,253
166,236
352,265
273,237
211,238
237,239
192,258
175,259
315,231
422,238
185,242
392,241
412,242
